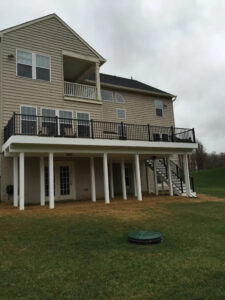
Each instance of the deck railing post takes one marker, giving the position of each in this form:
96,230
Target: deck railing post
122,131
57,129
149,133
172,133
193,132
92,129
14,123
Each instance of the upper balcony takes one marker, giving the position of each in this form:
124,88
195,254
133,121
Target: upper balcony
76,69
80,91
43,126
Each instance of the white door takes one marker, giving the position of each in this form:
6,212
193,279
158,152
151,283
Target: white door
63,181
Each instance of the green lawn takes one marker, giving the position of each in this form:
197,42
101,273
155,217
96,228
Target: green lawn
82,256
210,182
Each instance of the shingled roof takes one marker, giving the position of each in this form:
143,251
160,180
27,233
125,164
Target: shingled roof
128,83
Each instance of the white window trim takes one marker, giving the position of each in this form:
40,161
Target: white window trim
124,112
108,100
83,112
34,64
117,99
158,108
26,105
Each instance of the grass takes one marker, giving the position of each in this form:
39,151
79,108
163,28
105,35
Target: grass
83,253
210,182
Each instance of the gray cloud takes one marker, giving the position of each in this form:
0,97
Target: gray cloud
177,46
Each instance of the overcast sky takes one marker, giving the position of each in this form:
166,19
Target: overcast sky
174,45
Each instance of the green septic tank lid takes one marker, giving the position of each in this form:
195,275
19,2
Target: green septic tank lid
145,237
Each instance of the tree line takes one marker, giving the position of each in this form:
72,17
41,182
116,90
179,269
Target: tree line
200,159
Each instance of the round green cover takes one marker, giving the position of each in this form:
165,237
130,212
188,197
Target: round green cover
144,235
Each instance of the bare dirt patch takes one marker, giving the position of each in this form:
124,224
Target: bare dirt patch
118,207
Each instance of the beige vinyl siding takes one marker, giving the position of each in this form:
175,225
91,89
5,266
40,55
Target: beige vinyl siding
140,109
48,37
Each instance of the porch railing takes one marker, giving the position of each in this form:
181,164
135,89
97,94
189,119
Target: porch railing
80,90
33,125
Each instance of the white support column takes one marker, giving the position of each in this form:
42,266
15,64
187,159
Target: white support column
51,180
169,176
106,178
148,179
111,179
134,179
123,179
22,179
93,187
42,181
138,177
155,179
162,186
97,78
186,175
15,181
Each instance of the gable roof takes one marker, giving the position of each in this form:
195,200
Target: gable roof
122,82
4,31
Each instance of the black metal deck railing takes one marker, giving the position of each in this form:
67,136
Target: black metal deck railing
34,125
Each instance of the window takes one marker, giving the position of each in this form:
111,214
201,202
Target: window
28,120
32,65
107,95
66,123
119,98
121,114
51,127
83,124
49,124
159,108
42,67
24,64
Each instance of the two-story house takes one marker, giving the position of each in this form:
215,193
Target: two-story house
70,133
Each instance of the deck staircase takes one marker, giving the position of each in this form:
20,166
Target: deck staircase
178,184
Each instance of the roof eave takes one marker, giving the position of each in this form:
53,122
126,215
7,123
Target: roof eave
167,95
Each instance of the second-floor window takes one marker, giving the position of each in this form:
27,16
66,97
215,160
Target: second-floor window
32,65
121,114
159,108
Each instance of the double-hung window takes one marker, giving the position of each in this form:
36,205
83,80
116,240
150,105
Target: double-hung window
66,122
33,65
42,67
28,120
24,64
107,95
121,114
159,108
83,124
49,122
